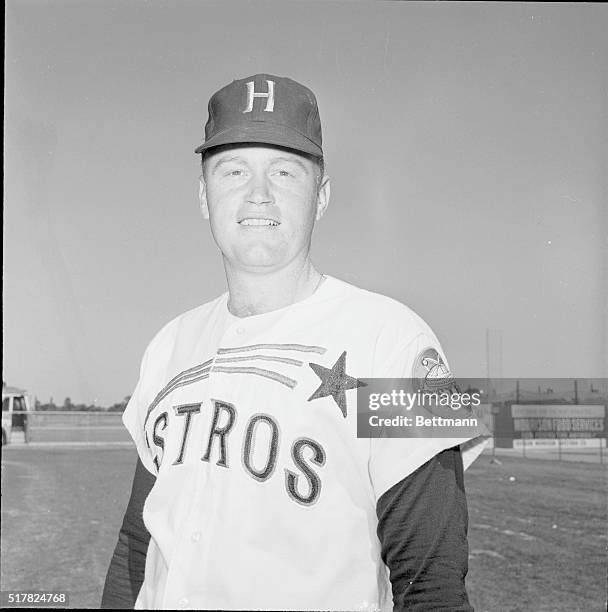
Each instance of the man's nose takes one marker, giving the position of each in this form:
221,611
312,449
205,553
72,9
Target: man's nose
259,192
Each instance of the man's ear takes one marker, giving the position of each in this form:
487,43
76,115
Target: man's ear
323,194
202,196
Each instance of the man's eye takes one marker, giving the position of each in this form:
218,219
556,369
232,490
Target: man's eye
284,173
235,173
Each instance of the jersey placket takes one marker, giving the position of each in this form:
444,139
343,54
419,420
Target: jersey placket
189,544
193,549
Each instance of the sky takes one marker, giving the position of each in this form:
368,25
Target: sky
466,145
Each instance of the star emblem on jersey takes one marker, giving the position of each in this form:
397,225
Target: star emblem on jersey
335,382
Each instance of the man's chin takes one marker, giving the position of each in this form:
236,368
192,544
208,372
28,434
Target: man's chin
261,259
260,265
260,256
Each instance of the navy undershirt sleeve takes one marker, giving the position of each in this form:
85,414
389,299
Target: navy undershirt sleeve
127,567
422,527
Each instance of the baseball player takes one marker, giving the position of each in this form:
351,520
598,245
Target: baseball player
252,490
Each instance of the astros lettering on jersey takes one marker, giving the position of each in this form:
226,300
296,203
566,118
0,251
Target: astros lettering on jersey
265,498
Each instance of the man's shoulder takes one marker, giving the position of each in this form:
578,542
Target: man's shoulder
395,333
376,306
188,322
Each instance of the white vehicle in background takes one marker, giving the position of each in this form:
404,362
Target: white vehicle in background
15,405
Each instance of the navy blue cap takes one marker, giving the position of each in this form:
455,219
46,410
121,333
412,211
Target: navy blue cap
264,109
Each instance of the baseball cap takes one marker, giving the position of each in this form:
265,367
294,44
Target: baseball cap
264,109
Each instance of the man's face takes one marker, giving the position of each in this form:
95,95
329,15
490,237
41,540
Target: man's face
262,203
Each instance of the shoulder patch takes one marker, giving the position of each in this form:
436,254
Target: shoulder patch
430,372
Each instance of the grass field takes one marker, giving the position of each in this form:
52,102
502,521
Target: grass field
537,542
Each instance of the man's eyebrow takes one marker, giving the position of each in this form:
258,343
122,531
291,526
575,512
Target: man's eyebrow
237,158
224,160
293,160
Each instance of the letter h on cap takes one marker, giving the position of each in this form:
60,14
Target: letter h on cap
251,94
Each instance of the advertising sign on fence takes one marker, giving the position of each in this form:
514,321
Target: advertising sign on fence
552,421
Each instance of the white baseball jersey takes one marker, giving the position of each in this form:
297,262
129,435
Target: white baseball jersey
265,498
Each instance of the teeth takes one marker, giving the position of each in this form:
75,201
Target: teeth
259,222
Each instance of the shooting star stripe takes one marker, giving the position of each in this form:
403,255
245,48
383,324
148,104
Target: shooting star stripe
259,357
189,371
288,382
275,347
201,371
176,385
183,380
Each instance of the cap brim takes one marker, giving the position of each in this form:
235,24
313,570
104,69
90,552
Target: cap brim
280,136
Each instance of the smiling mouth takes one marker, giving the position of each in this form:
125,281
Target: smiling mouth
259,222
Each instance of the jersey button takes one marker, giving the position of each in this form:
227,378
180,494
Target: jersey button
183,602
240,331
196,536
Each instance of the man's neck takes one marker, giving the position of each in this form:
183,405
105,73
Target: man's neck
255,293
